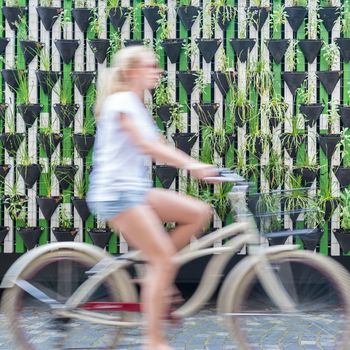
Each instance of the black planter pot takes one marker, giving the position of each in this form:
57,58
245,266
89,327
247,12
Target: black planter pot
172,48
49,142
224,80
12,77
47,80
241,114
30,49
310,48
294,80
82,17
13,15
30,236
185,141
4,170
276,240
206,112
277,48
133,42
166,174
223,20
100,236
242,47
81,207
66,113
343,175
329,79
188,80
29,112
344,112
311,112
229,140
259,16
188,15
48,15
65,234
100,48
343,238
295,16
65,175
259,146
208,48
117,16
83,143
3,108
330,206
3,44
67,48
82,81
164,113
11,142
292,147
328,143
152,15
308,175
4,230
329,15
48,205
311,240
344,47
30,173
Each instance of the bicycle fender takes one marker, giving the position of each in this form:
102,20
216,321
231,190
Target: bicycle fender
20,264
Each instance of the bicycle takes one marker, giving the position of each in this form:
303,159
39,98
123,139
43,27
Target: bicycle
270,285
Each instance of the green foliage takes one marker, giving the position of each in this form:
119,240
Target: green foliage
64,20
65,219
162,93
306,92
345,18
23,88
260,76
24,158
275,108
115,40
80,3
15,202
330,54
291,55
200,83
345,209
96,27
176,118
275,170
45,60
278,17
81,185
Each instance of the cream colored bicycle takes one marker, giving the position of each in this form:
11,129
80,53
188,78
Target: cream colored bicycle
56,292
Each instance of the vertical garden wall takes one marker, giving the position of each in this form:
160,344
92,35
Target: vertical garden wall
261,87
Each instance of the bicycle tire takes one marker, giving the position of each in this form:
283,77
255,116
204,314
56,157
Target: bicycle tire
244,305
25,333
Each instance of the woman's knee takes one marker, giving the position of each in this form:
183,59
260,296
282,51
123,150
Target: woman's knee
203,214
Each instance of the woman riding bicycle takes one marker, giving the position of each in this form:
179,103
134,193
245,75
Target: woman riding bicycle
121,192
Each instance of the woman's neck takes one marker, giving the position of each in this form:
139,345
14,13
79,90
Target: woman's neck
138,92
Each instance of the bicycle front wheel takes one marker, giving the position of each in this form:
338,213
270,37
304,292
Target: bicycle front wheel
58,274
319,290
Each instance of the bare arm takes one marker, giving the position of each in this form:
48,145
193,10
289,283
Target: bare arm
158,150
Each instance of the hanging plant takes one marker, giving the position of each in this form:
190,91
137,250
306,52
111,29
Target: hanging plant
291,141
275,110
65,230
275,170
81,185
343,234
260,76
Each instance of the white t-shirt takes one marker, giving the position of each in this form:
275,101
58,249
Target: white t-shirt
119,165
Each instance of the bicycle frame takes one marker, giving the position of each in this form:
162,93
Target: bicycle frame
239,234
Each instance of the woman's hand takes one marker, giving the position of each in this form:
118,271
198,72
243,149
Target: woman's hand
201,170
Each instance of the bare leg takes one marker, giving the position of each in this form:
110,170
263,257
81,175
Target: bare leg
191,215
142,228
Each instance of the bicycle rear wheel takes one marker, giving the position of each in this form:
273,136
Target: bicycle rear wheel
58,274
319,288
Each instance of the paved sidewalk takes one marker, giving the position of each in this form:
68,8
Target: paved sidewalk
204,331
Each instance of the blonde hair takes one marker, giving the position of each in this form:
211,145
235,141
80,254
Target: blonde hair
114,79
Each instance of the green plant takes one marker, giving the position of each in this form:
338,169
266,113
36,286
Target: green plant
306,92
45,60
65,219
242,102
345,18
275,170
255,137
330,54
332,114
220,8
115,40
23,88
24,158
46,179
260,76
314,22
46,3
241,165
64,21
80,3
190,51
81,185
344,143
96,27
10,121
307,162
13,3
269,205
200,83
110,4
162,93
164,27
278,17
132,15
345,209
176,118
275,108
291,55
299,3
15,202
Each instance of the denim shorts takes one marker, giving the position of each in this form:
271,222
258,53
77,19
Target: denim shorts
106,210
